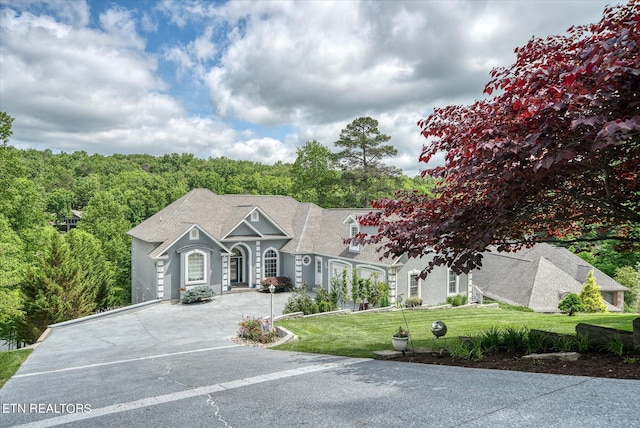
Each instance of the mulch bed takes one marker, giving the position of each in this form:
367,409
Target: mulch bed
592,364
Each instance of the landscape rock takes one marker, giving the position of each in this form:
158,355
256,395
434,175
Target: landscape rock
558,356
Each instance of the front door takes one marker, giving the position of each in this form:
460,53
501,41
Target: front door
237,266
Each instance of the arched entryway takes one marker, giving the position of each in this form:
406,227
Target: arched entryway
239,274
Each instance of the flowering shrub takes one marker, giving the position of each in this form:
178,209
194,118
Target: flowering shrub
257,330
282,283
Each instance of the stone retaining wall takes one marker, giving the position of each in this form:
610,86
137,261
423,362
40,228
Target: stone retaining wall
604,336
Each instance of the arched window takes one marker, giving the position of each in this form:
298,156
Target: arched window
195,267
270,263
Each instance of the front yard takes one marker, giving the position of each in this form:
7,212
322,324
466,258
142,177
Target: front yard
358,335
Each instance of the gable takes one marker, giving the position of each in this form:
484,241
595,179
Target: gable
257,224
244,230
187,238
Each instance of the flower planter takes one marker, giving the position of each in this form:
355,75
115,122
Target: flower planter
400,343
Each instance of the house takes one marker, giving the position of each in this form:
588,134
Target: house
70,222
540,277
231,241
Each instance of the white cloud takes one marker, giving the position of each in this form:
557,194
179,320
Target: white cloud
275,73
93,89
263,150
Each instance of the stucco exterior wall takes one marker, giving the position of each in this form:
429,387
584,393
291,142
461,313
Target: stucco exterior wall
143,272
174,269
434,288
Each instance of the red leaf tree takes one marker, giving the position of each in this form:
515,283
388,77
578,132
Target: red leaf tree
553,154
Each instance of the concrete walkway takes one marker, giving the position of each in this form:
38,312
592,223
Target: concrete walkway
173,365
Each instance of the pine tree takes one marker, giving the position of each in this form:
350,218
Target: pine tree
54,291
591,297
362,158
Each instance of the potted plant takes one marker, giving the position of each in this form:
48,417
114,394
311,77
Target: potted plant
400,339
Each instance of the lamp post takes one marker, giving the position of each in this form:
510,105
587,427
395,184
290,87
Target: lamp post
272,289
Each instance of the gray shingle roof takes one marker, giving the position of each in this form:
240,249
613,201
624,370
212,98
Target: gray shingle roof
311,229
537,277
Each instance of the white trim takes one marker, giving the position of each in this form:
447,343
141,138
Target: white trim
257,266
318,272
382,273
204,267
226,268
164,246
298,270
264,215
457,280
160,279
307,258
246,253
354,248
264,264
194,234
350,219
416,273
255,216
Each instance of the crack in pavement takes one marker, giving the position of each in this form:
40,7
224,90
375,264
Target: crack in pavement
210,401
191,393
525,400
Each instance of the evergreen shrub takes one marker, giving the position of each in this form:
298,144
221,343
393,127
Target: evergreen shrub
571,304
198,294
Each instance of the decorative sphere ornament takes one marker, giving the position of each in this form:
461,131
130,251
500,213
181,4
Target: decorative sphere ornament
438,328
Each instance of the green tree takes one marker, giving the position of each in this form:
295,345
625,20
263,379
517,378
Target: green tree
24,205
591,297
59,203
605,257
630,278
105,217
12,269
54,291
361,159
5,127
314,175
97,272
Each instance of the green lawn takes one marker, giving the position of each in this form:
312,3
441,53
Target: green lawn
358,335
10,362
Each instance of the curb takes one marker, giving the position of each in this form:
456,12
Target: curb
103,314
288,337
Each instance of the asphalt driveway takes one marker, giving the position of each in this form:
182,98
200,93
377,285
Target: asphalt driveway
170,365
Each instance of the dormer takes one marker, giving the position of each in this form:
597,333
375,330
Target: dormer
354,229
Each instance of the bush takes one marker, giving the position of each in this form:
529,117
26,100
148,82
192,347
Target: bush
198,294
591,297
458,300
326,301
379,296
256,330
327,307
571,304
515,340
300,301
282,283
413,301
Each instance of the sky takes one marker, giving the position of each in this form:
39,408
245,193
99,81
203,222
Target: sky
253,80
